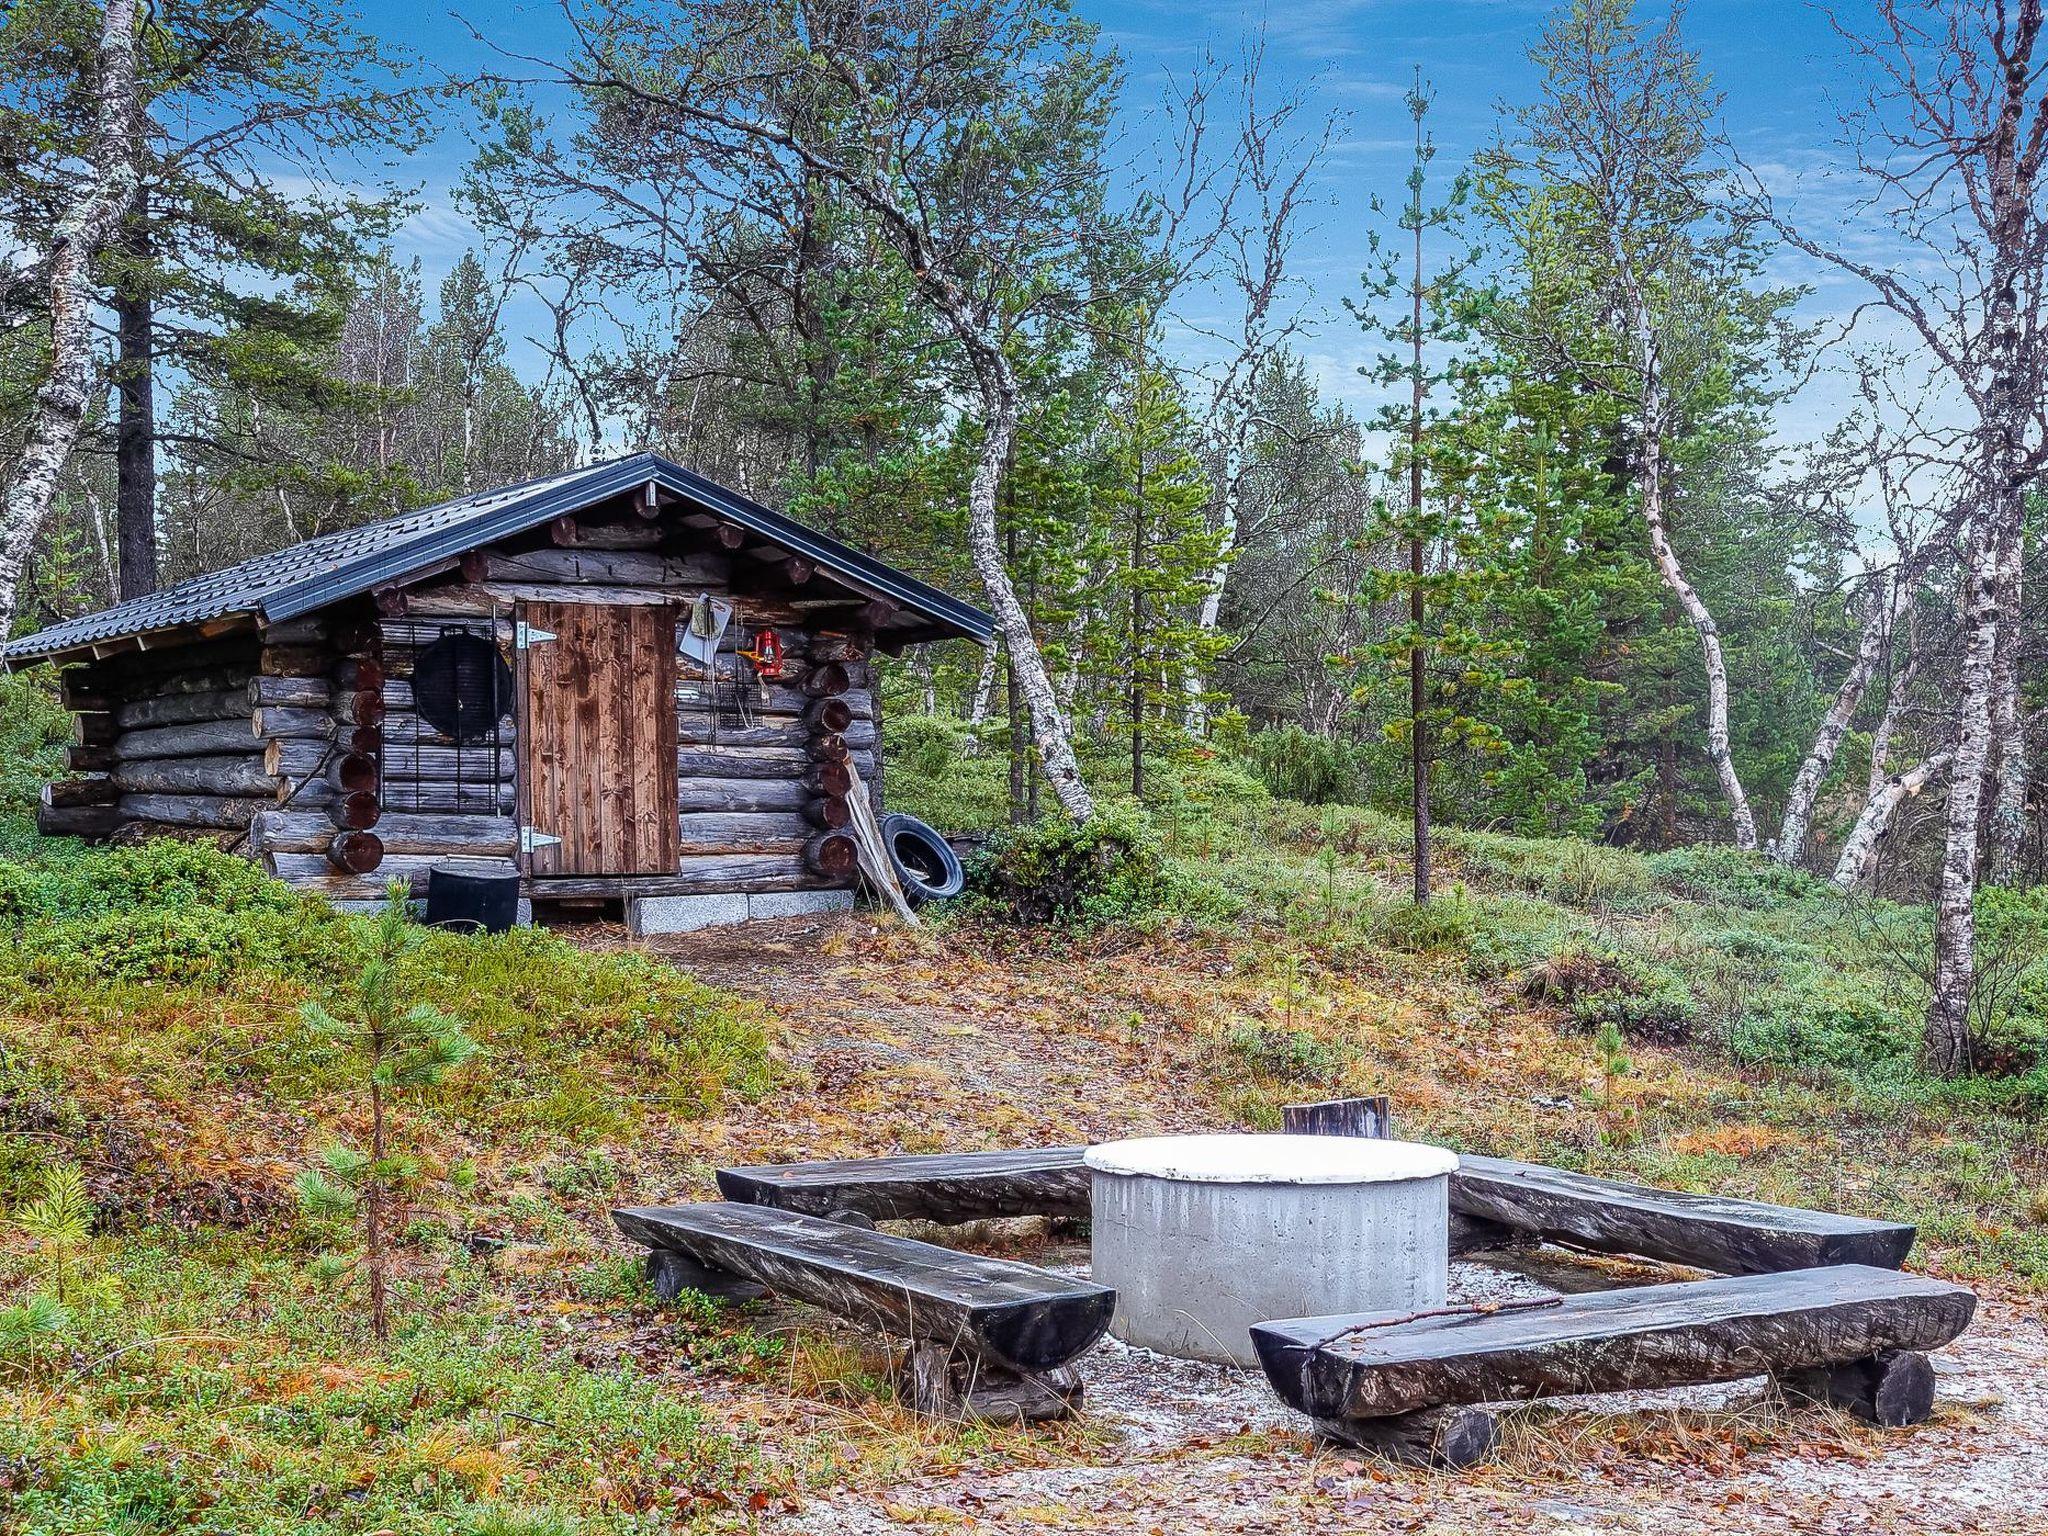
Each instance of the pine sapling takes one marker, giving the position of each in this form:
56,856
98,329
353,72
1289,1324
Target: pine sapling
1612,1053
58,1223
397,1046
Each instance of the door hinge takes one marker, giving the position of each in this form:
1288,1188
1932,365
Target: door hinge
529,839
526,636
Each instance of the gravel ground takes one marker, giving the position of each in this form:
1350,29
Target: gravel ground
1200,1449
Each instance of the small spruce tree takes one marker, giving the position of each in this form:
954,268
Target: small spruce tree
396,1046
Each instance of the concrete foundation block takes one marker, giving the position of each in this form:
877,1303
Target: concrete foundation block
683,914
798,903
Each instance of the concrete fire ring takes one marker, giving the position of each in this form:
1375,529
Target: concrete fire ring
1203,1236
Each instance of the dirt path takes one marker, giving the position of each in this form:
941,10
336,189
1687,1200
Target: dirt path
908,1045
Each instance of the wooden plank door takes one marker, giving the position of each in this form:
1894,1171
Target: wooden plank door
598,739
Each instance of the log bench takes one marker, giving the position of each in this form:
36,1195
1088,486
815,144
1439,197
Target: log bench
1411,1386
1493,1200
1731,1237
990,1338
948,1188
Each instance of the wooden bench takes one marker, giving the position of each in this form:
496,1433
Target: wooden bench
1732,1237
989,1336
1853,1335
1492,1199
949,1188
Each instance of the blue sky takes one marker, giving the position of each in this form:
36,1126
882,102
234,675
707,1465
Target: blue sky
1779,65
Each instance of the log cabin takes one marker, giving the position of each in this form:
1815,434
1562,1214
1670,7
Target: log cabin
628,682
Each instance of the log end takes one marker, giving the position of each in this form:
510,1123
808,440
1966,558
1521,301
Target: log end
1432,1437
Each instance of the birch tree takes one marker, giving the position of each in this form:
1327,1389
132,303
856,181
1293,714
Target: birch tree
969,131
1948,145
1230,225
104,187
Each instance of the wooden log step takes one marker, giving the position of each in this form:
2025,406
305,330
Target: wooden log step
1432,1437
1015,1315
744,831
1701,1231
944,1187
238,774
941,1383
220,811
696,874
1607,1341
1891,1389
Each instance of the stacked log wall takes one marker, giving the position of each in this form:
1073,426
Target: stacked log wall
304,745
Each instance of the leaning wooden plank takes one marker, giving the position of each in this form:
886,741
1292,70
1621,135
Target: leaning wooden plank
1735,1237
1013,1315
947,1187
1607,1341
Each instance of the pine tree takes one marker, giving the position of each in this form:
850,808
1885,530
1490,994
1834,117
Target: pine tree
1423,316
394,1046
1157,510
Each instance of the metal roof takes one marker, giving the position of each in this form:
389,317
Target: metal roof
293,581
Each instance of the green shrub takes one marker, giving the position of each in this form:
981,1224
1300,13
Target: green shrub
1604,988
1446,923
1295,764
1291,1055
1106,869
1716,873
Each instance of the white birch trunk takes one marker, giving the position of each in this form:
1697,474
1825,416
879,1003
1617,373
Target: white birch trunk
1789,847
61,403
999,426
1210,614
1695,608
1859,848
2008,820
1945,1047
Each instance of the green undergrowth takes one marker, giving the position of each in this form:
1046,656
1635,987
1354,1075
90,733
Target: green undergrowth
1773,968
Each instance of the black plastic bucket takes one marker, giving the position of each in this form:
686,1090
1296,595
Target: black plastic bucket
468,897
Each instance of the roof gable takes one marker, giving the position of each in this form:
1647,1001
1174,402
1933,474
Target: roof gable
351,561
